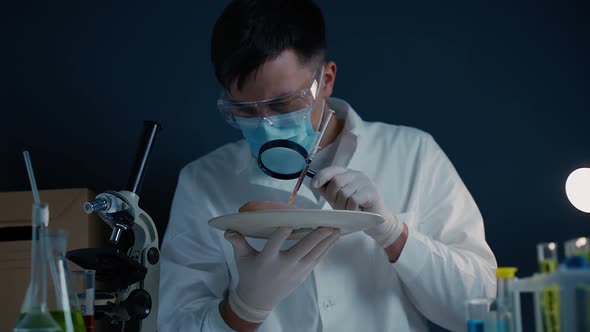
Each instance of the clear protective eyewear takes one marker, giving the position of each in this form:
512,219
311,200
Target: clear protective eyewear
265,109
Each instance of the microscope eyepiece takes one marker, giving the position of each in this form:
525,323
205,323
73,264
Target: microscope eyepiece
99,204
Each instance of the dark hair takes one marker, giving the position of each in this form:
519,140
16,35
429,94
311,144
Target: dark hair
250,32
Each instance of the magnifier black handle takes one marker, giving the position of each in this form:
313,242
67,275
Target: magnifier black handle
311,173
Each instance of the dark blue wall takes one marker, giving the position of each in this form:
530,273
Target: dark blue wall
504,88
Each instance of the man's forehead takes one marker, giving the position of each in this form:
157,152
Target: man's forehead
277,77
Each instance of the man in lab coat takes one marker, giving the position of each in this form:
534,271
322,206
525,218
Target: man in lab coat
422,263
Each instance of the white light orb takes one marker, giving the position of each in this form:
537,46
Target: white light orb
577,189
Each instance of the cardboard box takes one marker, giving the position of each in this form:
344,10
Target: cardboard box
65,212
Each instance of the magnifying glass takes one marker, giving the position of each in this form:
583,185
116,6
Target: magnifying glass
283,159
286,160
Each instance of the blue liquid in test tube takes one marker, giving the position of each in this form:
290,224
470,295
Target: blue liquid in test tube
475,326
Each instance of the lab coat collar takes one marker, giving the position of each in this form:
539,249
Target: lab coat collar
353,122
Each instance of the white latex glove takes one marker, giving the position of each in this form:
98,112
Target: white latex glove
346,189
267,277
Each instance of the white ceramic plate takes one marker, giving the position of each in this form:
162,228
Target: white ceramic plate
260,224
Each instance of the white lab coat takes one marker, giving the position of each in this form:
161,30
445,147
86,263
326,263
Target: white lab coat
445,261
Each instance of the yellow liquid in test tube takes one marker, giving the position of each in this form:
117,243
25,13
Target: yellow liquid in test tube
550,298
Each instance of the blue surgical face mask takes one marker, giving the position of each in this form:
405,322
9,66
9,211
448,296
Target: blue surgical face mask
295,126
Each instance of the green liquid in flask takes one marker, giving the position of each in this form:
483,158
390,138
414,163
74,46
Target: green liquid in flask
59,317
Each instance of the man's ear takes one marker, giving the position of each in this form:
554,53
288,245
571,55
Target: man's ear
329,79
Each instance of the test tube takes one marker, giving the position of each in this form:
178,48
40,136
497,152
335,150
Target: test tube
577,247
547,257
85,281
477,312
548,307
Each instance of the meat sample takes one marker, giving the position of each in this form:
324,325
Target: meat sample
265,206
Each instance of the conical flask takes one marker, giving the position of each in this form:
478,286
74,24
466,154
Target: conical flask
63,305
35,316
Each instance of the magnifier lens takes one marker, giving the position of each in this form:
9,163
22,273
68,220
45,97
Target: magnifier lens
283,160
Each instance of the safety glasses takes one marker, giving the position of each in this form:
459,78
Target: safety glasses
266,109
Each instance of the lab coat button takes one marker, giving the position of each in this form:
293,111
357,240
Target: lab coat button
329,304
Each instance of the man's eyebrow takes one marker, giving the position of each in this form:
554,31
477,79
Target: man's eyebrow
275,95
282,93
